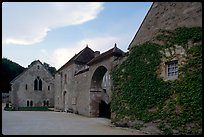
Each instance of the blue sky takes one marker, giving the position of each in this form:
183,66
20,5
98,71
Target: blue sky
53,32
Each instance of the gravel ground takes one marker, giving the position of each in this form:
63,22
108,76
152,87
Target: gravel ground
58,123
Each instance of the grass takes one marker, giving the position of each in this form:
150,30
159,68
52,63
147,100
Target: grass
28,109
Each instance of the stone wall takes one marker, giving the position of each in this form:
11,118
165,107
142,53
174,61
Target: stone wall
168,15
73,92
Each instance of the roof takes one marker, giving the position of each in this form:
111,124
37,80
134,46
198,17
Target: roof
29,66
112,52
83,57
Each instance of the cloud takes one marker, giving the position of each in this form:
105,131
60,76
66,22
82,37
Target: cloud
62,55
29,23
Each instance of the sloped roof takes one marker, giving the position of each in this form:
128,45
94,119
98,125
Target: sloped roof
112,52
82,57
32,63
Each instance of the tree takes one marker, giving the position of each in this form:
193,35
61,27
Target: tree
10,70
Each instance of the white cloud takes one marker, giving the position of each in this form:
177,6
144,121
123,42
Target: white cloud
62,55
26,24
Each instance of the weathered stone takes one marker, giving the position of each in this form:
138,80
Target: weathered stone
151,128
22,87
165,16
87,82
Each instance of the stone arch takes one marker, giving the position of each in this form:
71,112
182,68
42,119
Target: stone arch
99,99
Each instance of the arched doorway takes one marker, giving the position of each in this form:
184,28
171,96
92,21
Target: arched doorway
99,98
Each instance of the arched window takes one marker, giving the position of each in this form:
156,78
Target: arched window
31,103
27,103
47,103
44,103
38,84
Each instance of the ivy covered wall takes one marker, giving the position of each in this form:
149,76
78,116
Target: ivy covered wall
141,97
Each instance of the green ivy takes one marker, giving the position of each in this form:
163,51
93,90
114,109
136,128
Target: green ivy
137,87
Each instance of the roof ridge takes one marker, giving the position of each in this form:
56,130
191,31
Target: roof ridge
29,66
74,57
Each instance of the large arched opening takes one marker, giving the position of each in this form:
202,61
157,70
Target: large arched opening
99,96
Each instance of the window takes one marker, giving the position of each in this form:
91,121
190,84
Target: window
47,103
48,88
65,78
31,103
38,84
26,86
38,67
172,70
27,103
44,102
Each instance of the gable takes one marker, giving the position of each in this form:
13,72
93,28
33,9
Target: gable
34,66
83,57
168,16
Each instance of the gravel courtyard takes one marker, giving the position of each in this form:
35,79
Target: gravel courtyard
58,123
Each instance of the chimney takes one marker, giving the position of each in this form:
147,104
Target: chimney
96,53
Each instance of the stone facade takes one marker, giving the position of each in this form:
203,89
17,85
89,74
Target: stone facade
83,86
168,16
34,87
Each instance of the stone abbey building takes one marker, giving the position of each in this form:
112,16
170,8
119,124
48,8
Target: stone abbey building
33,88
83,84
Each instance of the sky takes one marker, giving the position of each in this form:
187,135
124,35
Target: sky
53,32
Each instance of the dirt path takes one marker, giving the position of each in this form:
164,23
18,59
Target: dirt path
58,123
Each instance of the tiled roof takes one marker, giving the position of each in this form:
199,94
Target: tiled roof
82,57
112,52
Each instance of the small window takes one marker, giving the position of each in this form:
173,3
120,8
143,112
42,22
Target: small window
31,103
38,67
26,86
172,70
48,88
27,103
47,103
44,103
65,78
